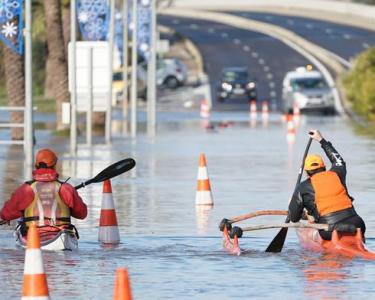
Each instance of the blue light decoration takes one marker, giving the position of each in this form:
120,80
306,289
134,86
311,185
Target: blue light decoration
144,27
12,24
93,19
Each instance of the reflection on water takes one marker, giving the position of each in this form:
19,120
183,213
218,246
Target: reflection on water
174,250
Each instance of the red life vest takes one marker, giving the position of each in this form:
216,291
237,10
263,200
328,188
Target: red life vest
330,194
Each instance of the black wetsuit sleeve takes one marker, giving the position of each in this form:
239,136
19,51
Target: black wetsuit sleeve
338,163
295,209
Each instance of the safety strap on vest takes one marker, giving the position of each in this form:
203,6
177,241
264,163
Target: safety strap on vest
29,219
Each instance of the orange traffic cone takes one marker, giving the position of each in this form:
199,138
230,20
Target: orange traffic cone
203,195
296,109
34,278
205,109
291,131
122,285
108,229
253,107
265,113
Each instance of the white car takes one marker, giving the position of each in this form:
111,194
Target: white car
307,89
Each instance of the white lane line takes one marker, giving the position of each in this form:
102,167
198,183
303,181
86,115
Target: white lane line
237,41
273,94
224,35
211,30
269,18
290,22
328,31
175,21
271,85
193,26
365,45
347,36
266,68
254,54
309,26
246,48
261,61
269,76
244,15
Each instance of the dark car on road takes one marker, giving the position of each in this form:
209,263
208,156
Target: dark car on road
235,82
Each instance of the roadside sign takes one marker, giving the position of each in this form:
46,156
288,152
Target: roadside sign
100,69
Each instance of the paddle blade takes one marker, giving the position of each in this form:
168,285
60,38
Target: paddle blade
278,242
115,169
112,171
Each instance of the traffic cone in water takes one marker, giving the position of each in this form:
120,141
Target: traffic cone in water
205,109
203,195
122,285
291,131
265,113
34,279
108,229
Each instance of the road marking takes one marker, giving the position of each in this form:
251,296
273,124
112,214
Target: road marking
347,36
271,84
244,15
269,18
193,26
224,35
328,31
175,21
273,94
266,68
269,76
290,22
246,48
261,61
211,30
237,41
254,54
309,26
365,45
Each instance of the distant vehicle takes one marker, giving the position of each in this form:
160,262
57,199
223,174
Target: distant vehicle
307,89
118,85
171,73
235,82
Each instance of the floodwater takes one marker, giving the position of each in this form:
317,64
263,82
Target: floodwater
173,250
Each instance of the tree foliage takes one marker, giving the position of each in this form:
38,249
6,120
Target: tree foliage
360,84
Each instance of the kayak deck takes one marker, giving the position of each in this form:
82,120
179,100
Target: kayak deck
346,244
55,240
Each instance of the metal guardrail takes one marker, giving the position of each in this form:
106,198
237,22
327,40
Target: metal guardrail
13,125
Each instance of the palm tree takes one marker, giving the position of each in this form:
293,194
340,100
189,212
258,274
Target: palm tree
57,56
15,85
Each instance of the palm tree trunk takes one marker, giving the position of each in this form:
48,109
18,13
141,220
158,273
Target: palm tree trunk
15,85
57,57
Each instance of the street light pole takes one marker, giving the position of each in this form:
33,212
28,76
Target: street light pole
134,72
28,115
73,93
108,118
151,86
125,103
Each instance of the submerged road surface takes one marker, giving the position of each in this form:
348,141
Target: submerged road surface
172,249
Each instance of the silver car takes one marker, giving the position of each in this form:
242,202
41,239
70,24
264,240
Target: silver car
307,89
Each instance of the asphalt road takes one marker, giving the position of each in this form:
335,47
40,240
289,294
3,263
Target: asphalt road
345,41
266,58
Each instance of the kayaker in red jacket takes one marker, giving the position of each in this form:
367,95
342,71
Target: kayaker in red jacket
324,194
44,200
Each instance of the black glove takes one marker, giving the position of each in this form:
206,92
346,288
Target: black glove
235,231
225,223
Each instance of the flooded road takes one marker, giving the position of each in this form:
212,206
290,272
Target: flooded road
174,251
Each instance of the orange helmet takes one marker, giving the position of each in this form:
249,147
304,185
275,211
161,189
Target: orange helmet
45,157
313,162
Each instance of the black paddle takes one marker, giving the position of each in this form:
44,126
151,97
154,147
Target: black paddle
113,170
278,242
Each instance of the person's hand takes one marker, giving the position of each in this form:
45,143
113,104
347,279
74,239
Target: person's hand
225,223
2,222
316,135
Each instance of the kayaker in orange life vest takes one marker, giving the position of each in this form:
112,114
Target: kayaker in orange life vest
324,194
44,200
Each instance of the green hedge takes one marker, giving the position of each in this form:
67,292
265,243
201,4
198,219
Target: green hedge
359,84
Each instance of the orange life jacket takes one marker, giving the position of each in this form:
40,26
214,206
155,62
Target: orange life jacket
330,194
47,207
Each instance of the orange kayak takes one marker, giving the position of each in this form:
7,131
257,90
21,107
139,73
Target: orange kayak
346,244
